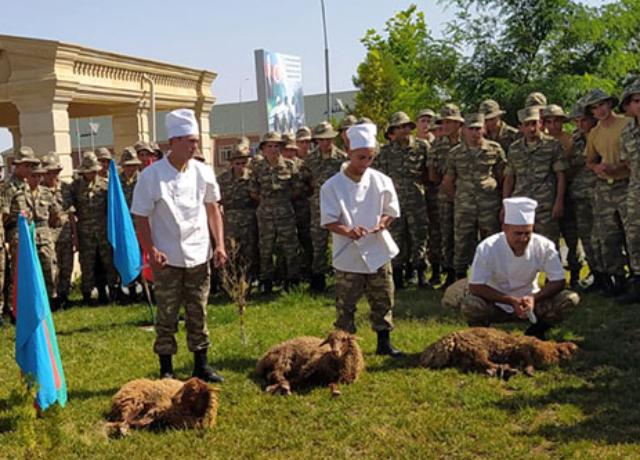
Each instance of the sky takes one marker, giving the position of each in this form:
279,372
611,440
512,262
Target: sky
220,36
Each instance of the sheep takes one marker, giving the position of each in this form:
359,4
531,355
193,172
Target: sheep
165,403
495,352
309,361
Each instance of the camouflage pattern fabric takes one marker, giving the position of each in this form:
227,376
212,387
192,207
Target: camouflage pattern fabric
379,290
173,288
630,152
128,184
434,249
477,196
534,167
609,217
62,240
506,136
302,209
407,167
321,167
276,186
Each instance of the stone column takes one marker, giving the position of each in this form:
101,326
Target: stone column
203,112
44,126
130,126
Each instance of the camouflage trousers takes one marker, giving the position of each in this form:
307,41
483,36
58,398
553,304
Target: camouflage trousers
609,217
241,227
173,288
409,231
64,254
584,221
568,225
546,225
47,257
320,242
632,229
469,220
445,214
3,267
278,236
433,227
379,290
94,247
479,312
303,225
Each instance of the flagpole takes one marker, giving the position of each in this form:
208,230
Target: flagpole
147,294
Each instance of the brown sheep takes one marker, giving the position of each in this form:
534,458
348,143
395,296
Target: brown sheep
311,361
495,352
165,403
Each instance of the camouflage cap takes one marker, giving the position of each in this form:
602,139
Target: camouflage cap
25,155
629,90
554,110
324,131
39,169
425,113
577,110
490,109
240,151
531,113
596,96
129,157
271,136
535,99
474,120
303,134
89,163
400,119
51,162
347,122
363,120
289,141
142,145
103,153
451,112
435,123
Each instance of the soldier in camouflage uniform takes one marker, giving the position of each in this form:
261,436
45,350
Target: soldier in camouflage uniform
436,161
495,127
323,162
610,195
104,158
145,153
303,141
630,154
581,190
240,222
346,123
275,183
473,176
536,169
87,207
130,165
301,203
404,160
62,234
424,120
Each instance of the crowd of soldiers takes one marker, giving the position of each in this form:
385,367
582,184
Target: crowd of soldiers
451,175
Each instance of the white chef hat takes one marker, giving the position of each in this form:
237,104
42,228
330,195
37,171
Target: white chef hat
181,122
519,211
362,136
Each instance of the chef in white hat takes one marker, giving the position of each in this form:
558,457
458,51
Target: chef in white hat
175,205
357,205
503,285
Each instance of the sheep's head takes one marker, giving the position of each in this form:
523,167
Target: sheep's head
566,350
197,403
544,353
340,343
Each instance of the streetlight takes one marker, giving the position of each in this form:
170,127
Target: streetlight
326,61
240,101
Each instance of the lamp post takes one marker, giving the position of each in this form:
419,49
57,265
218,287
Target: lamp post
326,61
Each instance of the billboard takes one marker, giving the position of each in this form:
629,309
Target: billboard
279,80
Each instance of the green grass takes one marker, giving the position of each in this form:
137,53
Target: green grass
585,409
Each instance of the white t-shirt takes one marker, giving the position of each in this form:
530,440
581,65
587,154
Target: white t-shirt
360,203
496,266
174,202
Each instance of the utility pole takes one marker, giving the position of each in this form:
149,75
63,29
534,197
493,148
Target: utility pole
326,62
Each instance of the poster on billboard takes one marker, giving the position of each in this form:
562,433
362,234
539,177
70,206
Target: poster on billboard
279,80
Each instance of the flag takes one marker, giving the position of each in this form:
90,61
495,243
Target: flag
37,351
122,236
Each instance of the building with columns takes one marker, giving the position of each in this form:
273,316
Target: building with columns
44,83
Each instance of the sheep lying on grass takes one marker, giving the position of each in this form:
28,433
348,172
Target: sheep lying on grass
496,352
311,361
166,403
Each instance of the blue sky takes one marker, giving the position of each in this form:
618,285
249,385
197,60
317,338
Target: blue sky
217,35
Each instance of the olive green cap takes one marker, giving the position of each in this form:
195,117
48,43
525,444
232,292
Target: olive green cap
629,90
451,112
530,113
425,113
303,134
490,109
271,136
129,157
400,119
25,155
324,131
51,162
554,110
89,163
474,120
103,153
289,141
596,96
535,99
347,122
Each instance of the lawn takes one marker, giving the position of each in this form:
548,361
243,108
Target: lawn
585,409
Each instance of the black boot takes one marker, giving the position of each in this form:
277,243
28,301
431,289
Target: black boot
291,284
54,304
133,295
435,275
202,370
398,279
538,330
574,279
409,273
632,295
64,300
166,367
450,279
103,298
318,283
598,284
86,299
267,287
422,279
615,286
384,345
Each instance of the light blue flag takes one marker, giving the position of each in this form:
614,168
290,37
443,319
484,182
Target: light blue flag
37,351
120,231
